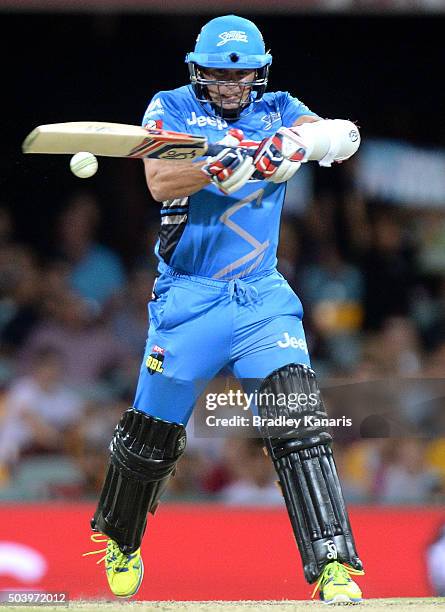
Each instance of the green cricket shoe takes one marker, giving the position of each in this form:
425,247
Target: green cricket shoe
124,572
336,585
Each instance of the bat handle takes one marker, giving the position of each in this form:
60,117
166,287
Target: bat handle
214,149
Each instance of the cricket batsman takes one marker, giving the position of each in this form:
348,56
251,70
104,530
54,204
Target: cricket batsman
219,301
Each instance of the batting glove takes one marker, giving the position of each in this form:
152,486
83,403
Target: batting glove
279,156
232,167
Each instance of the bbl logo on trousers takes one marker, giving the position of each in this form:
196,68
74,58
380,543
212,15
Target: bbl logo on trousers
155,360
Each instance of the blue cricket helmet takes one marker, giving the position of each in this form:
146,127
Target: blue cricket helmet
231,43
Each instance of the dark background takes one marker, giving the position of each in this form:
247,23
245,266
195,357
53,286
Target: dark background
385,72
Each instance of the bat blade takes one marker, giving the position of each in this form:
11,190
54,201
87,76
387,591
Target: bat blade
114,140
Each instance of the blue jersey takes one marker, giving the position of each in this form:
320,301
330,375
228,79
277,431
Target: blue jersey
211,234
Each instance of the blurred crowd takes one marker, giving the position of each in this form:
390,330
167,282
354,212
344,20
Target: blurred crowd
73,326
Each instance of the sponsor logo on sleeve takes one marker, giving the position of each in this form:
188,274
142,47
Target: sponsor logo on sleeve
154,109
153,124
155,105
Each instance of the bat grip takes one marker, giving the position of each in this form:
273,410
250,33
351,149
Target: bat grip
214,149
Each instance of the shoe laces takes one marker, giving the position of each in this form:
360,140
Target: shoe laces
113,554
335,569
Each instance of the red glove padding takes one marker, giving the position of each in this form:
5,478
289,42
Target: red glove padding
232,167
223,165
279,156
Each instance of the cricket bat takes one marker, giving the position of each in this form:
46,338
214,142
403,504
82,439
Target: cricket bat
117,140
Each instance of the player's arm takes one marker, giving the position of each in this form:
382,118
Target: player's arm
327,140
167,180
306,119
229,171
309,137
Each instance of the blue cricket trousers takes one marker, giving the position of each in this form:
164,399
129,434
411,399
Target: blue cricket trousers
200,325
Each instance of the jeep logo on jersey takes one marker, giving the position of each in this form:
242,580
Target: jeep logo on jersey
204,120
237,35
155,360
292,341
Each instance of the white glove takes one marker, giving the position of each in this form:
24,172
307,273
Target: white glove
285,171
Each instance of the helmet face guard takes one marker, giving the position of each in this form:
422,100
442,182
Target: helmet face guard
229,43
247,91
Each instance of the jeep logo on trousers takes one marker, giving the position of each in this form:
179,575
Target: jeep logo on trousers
292,341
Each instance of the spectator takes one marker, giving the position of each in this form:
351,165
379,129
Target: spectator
19,302
355,463
188,481
289,251
96,272
399,347
88,351
227,468
39,409
89,443
430,230
433,307
255,484
405,477
129,316
388,270
333,290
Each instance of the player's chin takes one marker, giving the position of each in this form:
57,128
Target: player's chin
231,104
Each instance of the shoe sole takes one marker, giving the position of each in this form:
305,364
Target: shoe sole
342,599
137,586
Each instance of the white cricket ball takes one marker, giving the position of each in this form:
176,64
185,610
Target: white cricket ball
83,164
